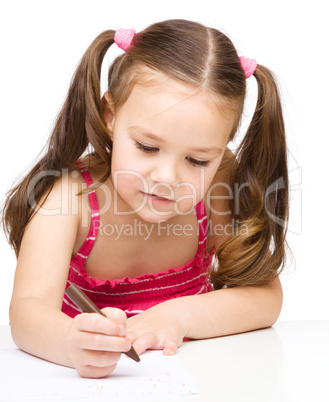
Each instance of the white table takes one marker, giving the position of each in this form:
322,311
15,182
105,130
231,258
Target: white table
288,362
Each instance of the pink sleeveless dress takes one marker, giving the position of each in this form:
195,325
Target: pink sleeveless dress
134,295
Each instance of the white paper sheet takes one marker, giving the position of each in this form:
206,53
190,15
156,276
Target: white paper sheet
155,377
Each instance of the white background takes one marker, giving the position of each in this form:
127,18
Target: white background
42,42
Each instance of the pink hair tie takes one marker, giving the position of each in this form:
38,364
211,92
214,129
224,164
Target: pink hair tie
123,38
249,66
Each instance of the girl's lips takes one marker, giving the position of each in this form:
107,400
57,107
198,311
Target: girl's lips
156,199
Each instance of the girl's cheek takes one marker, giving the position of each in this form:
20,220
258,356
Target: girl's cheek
128,179
185,205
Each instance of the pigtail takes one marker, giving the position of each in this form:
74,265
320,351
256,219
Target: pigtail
256,251
78,125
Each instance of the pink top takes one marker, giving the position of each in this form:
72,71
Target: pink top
140,293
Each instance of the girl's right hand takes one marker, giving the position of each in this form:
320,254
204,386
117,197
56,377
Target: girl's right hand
94,343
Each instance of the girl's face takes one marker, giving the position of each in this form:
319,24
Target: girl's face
168,142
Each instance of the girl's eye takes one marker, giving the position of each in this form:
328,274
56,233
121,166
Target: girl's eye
196,162
145,148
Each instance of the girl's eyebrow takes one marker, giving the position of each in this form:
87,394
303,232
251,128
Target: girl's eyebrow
208,150
148,134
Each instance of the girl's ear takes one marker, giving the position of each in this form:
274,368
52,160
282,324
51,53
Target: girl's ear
108,112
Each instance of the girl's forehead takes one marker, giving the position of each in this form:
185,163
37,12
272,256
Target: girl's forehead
156,90
159,103
156,83
172,107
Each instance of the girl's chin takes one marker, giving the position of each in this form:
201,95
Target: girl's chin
151,215
153,218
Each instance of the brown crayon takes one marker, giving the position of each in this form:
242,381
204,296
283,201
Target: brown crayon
87,306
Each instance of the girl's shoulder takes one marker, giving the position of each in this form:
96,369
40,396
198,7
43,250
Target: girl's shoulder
66,201
63,199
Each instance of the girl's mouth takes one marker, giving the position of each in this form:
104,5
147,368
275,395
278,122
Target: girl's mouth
157,199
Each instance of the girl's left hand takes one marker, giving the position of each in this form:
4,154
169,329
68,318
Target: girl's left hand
159,327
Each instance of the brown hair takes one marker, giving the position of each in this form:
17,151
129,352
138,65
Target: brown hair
204,58
257,254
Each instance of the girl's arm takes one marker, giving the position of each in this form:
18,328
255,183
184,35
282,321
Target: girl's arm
89,342
235,310
37,325
221,312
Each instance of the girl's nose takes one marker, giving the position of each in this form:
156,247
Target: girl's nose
164,173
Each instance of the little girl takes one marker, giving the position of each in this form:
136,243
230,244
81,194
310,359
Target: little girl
139,201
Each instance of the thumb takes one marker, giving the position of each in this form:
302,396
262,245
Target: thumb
115,314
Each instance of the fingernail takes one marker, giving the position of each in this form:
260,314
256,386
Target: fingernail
168,352
122,330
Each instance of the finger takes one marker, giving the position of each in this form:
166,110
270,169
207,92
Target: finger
97,358
97,323
169,346
115,314
145,341
95,372
95,341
